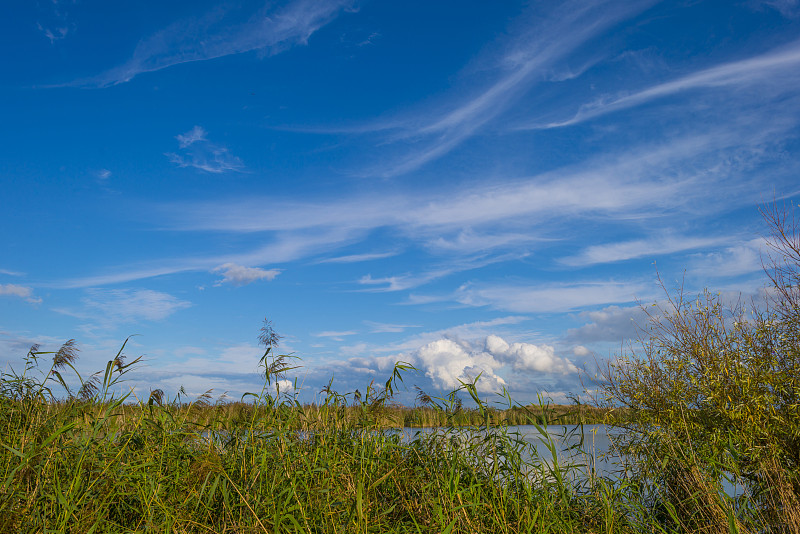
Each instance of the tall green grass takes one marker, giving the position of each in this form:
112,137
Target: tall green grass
89,460
92,461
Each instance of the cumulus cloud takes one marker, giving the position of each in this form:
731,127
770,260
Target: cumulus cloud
529,357
239,275
580,350
449,362
14,290
198,152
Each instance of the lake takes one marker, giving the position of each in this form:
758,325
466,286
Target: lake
591,450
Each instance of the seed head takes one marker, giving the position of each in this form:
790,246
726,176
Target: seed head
67,354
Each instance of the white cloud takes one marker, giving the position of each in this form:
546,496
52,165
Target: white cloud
473,330
286,247
691,176
200,153
787,8
469,241
238,275
613,324
529,357
336,335
448,363
354,258
192,136
743,258
103,174
14,290
524,298
218,34
656,246
408,281
639,183
580,350
377,328
397,283
53,34
778,68
537,44
131,305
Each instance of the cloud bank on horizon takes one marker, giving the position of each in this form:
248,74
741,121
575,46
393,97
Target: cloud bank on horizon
479,190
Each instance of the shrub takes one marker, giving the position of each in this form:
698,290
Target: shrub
713,390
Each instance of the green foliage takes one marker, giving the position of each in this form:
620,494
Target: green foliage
713,391
73,464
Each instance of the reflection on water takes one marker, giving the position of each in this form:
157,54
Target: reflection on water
583,450
586,450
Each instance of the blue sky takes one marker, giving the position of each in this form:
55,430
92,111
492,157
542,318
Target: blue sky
471,187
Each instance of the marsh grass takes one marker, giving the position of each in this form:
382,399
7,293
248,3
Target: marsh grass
87,460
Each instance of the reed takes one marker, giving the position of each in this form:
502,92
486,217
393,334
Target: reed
92,461
77,462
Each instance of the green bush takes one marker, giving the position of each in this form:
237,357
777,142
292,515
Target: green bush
713,391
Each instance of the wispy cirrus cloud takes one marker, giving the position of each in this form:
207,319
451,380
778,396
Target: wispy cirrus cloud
469,241
221,32
239,275
53,34
641,183
611,324
198,152
355,258
536,46
787,8
336,335
132,305
23,292
285,247
777,69
638,248
523,297
737,259
658,180
110,308
379,328
408,280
